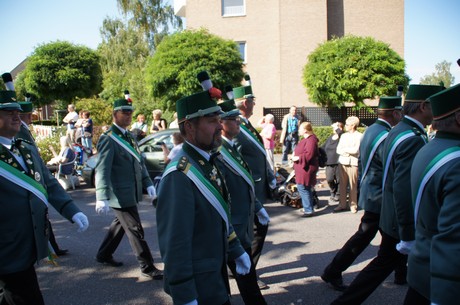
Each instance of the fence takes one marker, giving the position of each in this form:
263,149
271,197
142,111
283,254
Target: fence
320,116
43,131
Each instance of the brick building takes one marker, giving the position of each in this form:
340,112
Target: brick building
276,36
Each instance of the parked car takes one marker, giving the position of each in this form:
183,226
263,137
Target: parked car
151,151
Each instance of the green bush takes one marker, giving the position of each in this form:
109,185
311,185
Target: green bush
44,144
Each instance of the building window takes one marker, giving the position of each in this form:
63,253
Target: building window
242,48
233,8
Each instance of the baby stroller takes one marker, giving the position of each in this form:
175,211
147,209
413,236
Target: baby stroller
289,195
81,155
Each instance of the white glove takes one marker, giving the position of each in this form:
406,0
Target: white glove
152,192
263,217
404,247
243,264
272,184
194,302
81,220
102,207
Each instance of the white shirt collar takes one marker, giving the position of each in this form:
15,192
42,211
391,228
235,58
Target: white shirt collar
121,129
205,154
228,141
416,122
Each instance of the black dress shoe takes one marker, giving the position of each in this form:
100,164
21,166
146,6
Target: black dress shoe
400,281
61,252
307,215
336,283
109,261
155,274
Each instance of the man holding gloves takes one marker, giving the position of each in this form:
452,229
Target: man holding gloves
27,189
120,176
243,200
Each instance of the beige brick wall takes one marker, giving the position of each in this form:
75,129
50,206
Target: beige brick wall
281,33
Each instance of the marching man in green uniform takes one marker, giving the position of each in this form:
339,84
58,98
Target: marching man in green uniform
370,198
193,215
250,145
396,216
26,120
27,189
433,265
243,200
120,176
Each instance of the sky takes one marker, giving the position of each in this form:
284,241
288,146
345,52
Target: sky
431,30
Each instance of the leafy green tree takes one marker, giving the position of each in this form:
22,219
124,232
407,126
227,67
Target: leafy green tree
62,71
441,76
124,51
171,72
352,69
154,17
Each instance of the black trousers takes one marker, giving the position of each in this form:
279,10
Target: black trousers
247,284
332,178
260,232
127,221
20,288
387,259
367,230
413,297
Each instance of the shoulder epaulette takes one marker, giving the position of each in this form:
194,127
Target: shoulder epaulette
416,131
183,165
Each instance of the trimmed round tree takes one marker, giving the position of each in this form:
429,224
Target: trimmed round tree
171,71
63,71
351,69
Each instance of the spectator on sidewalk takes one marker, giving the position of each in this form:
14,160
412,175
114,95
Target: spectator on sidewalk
332,163
348,150
289,134
305,158
70,119
268,135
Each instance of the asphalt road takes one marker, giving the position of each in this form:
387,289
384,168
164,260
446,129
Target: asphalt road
296,251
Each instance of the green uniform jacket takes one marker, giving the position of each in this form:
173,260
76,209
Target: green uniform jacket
24,133
257,162
119,176
397,214
24,217
370,194
192,237
243,201
434,269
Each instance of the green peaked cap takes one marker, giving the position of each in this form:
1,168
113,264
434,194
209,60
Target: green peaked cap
122,104
446,102
242,92
196,105
8,100
26,106
229,108
419,93
390,102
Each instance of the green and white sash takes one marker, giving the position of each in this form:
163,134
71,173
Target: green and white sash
252,138
125,145
17,177
440,160
235,165
375,144
398,140
206,188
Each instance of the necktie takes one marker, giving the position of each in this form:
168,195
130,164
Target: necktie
128,137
